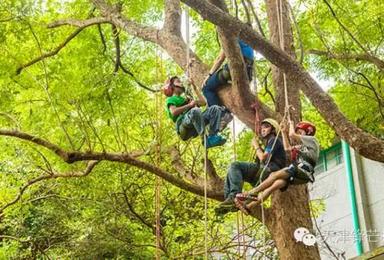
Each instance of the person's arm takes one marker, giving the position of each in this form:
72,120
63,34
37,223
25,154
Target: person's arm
286,144
217,63
201,101
179,110
292,134
259,152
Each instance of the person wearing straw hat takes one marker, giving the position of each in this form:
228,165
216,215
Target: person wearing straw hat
304,157
269,159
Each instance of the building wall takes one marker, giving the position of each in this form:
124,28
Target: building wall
335,222
373,173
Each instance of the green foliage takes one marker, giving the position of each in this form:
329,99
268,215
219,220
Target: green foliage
74,100
355,85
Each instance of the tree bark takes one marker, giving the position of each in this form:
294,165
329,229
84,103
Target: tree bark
290,209
293,90
365,144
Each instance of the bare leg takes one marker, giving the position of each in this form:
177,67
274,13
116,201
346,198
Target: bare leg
281,174
278,184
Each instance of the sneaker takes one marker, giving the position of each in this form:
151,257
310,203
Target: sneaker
215,140
225,119
226,206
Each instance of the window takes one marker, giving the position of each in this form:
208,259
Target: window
329,158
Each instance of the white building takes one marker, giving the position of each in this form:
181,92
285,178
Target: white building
336,223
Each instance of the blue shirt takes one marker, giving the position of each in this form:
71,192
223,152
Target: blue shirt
246,50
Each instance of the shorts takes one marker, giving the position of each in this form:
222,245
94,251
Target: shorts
299,173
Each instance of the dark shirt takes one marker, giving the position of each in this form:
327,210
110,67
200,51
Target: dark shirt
277,154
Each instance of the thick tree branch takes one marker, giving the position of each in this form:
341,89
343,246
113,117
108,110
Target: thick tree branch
24,136
241,98
177,49
166,38
281,35
240,83
364,143
172,21
75,156
113,15
345,56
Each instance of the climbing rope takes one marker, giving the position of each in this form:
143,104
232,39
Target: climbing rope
158,181
279,6
259,181
158,101
205,198
188,40
187,73
240,216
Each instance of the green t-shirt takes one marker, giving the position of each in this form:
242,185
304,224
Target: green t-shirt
176,101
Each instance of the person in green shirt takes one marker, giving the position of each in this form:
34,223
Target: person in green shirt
190,120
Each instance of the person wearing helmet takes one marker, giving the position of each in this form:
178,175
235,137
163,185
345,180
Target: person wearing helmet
186,113
219,77
272,158
304,157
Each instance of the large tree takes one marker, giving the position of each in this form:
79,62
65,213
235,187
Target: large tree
289,210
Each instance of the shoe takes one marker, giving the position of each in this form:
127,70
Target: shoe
215,140
225,119
226,206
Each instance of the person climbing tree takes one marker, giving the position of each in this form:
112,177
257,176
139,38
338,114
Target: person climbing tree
186,113
272,158
218,77
304,157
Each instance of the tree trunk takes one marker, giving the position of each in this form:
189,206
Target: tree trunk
290,209
366,144
277,74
